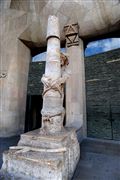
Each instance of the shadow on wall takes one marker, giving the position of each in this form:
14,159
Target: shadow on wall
33,112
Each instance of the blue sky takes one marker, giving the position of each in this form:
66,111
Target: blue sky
42,56
100,46
94,47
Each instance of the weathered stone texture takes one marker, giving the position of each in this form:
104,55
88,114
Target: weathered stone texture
42,157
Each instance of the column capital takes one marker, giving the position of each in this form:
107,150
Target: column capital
72,34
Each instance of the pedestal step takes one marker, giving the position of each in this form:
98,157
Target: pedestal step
35,139
43,157
35,164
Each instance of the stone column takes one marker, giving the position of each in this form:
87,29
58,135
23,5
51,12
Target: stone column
52,112
75,87
53,151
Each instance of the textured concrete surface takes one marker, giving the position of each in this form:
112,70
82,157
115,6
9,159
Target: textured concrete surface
75,89
13,88
100,160
94,17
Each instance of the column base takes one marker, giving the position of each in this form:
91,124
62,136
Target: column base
42,157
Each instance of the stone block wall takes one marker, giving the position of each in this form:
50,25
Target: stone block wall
36,70
103,95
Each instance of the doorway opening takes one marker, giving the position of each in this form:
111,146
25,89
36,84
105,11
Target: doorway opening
33,112
34,96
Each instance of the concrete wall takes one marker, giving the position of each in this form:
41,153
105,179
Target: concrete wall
13,89
75,90
14,62
95,17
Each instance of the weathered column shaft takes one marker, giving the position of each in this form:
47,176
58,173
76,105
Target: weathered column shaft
75,87
52,95
53,69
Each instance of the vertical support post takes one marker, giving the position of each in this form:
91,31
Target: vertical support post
52,112
75,87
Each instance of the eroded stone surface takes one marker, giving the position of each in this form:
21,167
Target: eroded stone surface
43,157
53,80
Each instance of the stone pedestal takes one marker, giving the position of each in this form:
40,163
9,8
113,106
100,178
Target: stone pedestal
42,157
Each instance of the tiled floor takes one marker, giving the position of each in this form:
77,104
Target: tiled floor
100,160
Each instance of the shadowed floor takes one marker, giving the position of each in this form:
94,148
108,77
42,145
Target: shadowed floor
5,143
100,159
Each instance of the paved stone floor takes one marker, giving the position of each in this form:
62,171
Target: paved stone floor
100,159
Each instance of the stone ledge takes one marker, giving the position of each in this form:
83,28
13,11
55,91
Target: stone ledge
35,139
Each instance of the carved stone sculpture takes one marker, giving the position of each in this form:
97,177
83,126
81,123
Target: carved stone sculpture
71,33
53,80
3,75
51,152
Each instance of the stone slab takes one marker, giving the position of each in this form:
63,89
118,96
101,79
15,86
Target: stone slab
35,139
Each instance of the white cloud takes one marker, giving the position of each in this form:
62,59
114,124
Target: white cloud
93,44
110,44
106,44
39,57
